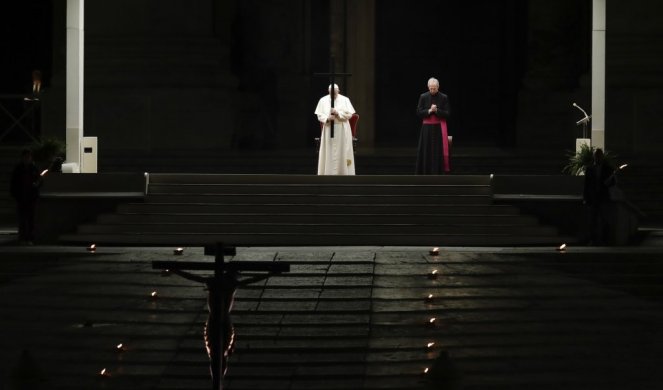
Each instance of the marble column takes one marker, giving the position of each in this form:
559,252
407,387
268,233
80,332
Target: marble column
598,73
75,66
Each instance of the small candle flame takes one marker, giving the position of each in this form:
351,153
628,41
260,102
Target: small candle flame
562,247
120,347
43,172
178,251
154,294
104,372
92,247
426,370
431,321
430,345
435,251
623,166
433,274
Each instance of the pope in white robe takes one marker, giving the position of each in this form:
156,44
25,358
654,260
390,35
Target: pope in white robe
336,155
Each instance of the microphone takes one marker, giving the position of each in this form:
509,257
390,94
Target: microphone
579,108
584,120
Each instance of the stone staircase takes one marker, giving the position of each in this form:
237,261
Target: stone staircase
309,210
9,156
643,189
370,161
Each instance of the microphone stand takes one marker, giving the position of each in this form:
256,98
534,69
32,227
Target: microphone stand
584,121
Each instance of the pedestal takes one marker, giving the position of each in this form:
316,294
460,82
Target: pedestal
89,155
583,141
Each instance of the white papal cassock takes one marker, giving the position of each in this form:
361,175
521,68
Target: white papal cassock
336,156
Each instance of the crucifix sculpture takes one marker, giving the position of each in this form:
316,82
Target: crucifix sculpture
332,75
221,287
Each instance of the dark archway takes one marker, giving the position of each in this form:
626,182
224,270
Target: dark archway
475,49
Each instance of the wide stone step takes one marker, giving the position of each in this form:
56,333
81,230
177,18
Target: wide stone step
326,189
321,209
282,228
256,179
321,199
497,219
314,239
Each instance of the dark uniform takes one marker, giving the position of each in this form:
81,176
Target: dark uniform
430,153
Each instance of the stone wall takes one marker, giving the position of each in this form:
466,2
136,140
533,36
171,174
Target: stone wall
230,74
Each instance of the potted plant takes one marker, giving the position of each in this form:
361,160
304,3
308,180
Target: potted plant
584,157
48,150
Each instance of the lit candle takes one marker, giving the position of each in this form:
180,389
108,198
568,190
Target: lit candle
430,345
426,370
434,252
153,294
178,251
92,248
433,274
104,373
429,298
431,322
120,347
562,248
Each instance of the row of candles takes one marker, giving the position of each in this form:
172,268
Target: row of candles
105,372
92,248
435,252
119,348
429,299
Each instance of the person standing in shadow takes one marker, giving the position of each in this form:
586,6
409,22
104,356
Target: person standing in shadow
599,177
434,141
24,188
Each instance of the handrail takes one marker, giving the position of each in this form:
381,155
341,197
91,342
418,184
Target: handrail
23,112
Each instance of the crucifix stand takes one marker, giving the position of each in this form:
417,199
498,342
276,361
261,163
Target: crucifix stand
221,289
332,75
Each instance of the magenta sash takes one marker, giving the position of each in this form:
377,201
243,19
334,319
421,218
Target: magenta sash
433,120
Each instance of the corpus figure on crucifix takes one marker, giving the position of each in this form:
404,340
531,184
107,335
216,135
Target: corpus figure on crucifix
336,155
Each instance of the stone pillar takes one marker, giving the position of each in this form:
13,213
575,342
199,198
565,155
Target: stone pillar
361,63
352,43
598,73
75,66
337,35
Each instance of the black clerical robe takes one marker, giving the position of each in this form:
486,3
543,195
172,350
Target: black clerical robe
433,149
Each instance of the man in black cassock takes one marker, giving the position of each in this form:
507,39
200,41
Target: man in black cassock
433,151
24,188
599,177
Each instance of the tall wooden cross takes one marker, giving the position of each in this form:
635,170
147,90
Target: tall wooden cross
332,75
223,284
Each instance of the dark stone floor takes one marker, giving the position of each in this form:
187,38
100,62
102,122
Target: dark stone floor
342,318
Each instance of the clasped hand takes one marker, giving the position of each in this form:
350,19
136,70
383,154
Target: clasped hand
333,115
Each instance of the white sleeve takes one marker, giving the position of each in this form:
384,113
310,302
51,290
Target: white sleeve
320,111
345,110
